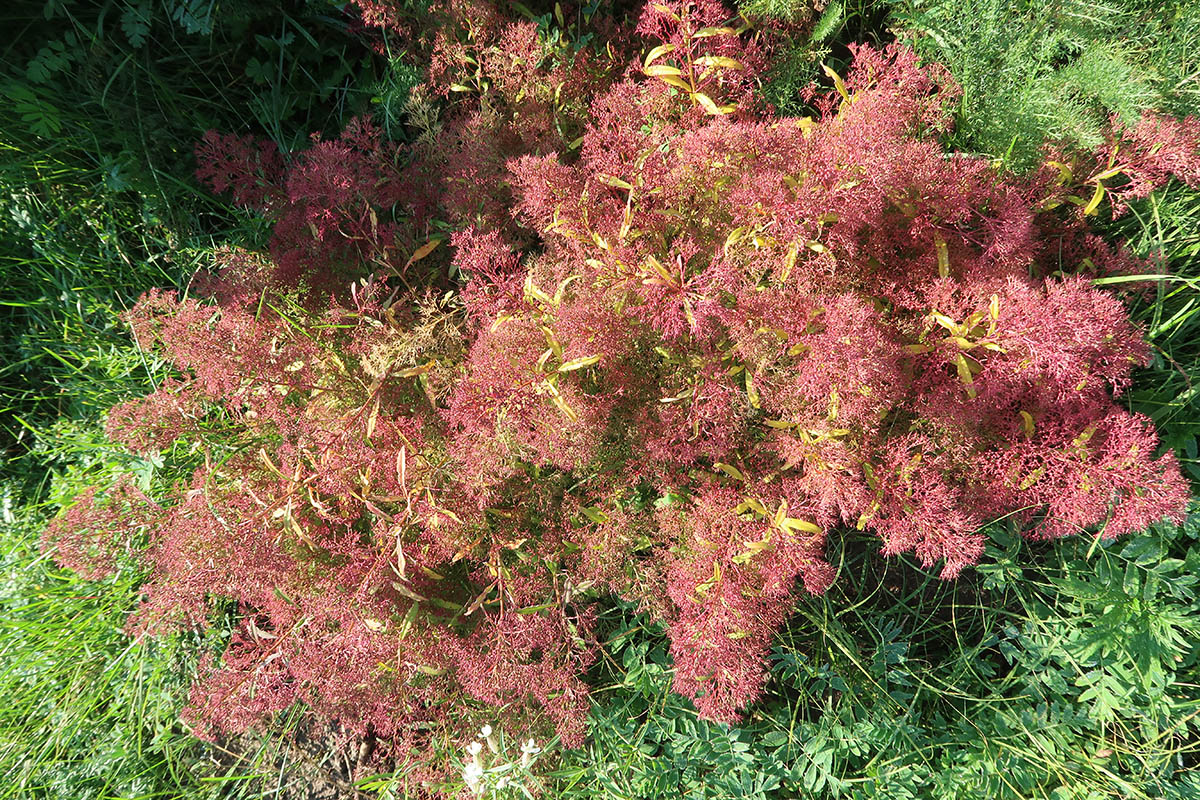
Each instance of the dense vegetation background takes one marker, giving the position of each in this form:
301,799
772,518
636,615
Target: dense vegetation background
1061,670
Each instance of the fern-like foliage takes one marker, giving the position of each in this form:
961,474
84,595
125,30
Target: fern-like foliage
1045,69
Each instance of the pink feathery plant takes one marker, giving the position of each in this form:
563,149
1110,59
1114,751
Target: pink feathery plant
780,327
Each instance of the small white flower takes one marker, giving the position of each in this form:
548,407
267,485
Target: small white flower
474,749
502,783
485,731
528,751
473,775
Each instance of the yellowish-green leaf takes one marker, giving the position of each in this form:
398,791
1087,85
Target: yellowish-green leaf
1064,171
533,292
867,516
752,504
946,322
964,369
1027,424
661,270
579,363
1083,438
373,418
422,251
735,236
677,82
781,512
789,263
730,470
722,30
719,61
407,592
1031,478
612,180
1094,203
752,392
704,586
406,624
793,524
838,83
562,406
412,372
666,10
658,52
708,105
661,70
595,515
943,256
869,474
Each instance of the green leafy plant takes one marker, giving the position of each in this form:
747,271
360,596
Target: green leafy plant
1038,70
